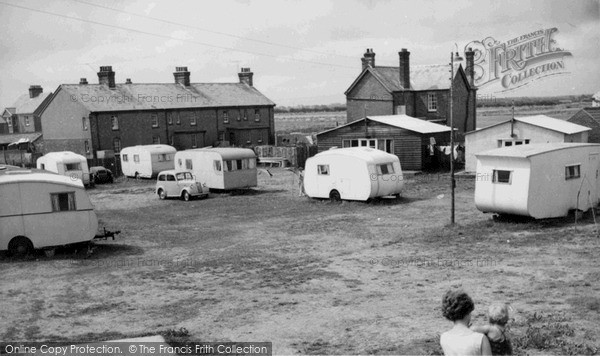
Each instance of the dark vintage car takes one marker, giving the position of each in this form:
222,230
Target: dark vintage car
100,174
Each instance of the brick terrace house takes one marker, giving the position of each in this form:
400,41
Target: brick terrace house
589,117
91,118
418,91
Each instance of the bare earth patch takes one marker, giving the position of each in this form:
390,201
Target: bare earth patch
311,276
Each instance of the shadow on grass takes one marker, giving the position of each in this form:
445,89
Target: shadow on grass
80,251
247,192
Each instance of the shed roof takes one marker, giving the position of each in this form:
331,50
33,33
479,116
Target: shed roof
20,137
544,121
152,96
524,151
401,121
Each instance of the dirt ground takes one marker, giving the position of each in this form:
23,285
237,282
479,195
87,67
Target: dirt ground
312,277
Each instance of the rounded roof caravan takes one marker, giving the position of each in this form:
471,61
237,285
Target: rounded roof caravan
39,209
356,173
66,163
146,161
220,168
538,180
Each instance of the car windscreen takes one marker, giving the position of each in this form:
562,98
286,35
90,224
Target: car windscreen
184,176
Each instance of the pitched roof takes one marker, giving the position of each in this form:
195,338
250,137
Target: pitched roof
27,105
401,121
544,121
151,96
524,151
425,77
593,112
22,137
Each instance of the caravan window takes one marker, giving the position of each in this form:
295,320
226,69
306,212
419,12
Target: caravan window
228,166
252,163
217,165
502,177
63,201
386,168
572,172
323,169
164,157
124,158
73,166
188,164
136,158
239,164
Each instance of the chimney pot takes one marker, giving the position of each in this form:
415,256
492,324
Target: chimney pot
83,81
245,76
404,68
35,90
106,76
182,76
128,81
368,59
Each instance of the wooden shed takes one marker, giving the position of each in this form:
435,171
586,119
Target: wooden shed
412,140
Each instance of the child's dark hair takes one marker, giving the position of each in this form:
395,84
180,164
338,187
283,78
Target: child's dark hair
456,304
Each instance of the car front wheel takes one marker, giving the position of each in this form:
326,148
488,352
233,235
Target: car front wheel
161,194
186,196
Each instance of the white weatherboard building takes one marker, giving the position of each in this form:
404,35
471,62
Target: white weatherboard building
538,180
521,131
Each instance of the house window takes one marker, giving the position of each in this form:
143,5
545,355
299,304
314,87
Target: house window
114,121
170,118
257,115
239,116
245,115
124,158
217,165
63,201
323,169
194,143
225,117
156,140
572,172
172,140
86,146
136,158
188,164
84,123
26,120
361,142
154,119
386,168
193,120
177,118
117,145
504,177
431,102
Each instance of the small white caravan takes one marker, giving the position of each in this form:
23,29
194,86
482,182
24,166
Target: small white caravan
39,209
221,167
66,163
538,180
356,173
146,161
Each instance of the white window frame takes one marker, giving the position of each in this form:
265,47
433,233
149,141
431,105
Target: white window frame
576,171
114,122
225,117
495,176
323,169
432,102
84,123
154,119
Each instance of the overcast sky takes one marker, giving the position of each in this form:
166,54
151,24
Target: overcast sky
301,52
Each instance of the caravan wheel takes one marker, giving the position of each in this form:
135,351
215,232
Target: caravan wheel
334,195
20,246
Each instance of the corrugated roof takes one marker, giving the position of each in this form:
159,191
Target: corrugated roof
27,105
553,124
401,121
524,151
10,138
144,96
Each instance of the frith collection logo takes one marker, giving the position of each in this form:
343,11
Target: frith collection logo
518,62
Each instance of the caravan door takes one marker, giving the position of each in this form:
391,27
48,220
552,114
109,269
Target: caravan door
593,176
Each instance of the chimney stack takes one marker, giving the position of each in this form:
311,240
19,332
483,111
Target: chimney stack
35,90
106,76
83,81
182,76
368,59
404,55
245,76
128,81
469,54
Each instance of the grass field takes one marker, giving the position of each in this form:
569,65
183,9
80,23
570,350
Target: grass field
313,277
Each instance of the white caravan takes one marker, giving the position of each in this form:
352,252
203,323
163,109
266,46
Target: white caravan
356,173
220,168
39,209
66,163
539,180
146,161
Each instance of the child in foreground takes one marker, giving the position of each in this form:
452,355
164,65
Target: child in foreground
496,329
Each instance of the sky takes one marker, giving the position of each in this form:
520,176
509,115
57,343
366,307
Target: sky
301,52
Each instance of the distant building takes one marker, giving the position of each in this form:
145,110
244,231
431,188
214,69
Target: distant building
417,91
521,131
412,140
589,117
596,100
91,119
